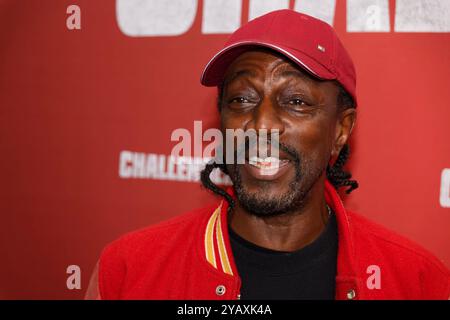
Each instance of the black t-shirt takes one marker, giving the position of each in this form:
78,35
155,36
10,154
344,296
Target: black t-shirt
308,273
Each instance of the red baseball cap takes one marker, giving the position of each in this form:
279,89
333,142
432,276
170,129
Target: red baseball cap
309,42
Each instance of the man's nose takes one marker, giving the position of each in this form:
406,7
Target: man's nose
266,116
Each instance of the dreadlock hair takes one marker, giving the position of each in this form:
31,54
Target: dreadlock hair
336,174
208,184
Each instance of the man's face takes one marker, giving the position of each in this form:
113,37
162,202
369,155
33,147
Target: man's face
265,91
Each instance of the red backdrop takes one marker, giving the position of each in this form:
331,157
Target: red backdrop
72,100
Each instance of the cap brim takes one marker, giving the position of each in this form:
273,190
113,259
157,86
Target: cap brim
215,69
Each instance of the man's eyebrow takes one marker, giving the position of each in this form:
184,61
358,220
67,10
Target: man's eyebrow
238,74
295,73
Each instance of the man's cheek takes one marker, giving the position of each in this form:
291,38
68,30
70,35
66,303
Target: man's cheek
312,144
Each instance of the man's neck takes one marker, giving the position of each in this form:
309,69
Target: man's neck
287,232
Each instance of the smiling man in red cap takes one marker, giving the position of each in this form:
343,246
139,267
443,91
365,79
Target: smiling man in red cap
281,231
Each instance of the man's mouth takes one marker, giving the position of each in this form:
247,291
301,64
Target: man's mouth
268,166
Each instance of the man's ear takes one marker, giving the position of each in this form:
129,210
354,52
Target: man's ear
344,126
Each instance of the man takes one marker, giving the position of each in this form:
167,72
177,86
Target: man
281,231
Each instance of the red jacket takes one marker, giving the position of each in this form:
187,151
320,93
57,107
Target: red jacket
189,257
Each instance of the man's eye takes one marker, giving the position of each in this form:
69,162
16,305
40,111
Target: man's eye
297,102
239,100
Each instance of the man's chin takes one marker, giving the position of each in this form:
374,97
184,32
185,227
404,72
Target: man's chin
265,191
265,202
269,197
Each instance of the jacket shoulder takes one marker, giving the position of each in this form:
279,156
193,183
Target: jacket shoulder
143,249
162,230
405,260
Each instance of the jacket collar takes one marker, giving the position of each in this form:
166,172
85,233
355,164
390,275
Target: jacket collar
217,248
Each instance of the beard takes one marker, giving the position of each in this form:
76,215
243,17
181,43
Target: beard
260,204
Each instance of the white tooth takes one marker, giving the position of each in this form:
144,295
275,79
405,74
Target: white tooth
253,160
272,160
